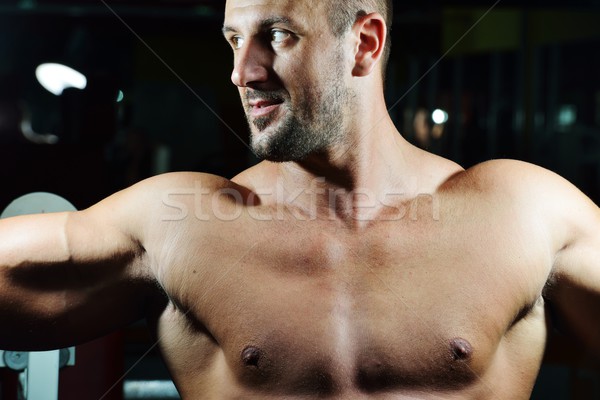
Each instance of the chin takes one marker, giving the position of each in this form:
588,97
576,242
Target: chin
267,153
264,151
277,155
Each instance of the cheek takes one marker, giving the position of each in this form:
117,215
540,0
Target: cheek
302,65
305,74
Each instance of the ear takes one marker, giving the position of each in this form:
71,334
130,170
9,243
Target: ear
371,33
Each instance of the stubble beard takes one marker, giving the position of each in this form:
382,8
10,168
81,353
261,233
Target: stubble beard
313,125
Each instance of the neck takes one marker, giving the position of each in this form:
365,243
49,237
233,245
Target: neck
349,179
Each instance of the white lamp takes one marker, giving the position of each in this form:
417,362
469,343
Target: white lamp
56,77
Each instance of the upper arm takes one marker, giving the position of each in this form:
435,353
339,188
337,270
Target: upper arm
70,277
565,228
573,288
66,278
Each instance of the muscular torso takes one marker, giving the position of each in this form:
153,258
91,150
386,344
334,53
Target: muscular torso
436,299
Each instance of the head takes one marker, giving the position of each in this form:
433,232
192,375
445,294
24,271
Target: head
295,62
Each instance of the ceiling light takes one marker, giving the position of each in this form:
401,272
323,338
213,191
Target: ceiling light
439,117
56,77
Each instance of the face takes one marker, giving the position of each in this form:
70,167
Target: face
289,69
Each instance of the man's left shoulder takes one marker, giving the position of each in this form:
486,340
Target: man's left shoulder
532,188
515,177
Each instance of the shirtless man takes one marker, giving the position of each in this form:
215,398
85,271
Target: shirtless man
351,265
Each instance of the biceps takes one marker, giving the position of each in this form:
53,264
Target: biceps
68,280
42,255
575,291
93,237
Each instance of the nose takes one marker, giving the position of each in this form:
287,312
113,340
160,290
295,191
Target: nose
250,65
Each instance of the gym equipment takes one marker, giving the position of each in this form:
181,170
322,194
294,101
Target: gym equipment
159,390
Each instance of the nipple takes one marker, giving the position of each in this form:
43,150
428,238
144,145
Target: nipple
250,356
461,349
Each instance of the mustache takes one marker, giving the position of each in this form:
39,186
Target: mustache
271,95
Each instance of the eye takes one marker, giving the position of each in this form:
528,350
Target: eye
279,36
237,42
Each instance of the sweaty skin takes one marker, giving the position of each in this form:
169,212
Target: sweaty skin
367,270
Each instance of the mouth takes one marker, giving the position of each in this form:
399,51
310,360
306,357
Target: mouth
263,107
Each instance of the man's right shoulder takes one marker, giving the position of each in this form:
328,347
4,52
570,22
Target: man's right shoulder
182,180
145,201
175,196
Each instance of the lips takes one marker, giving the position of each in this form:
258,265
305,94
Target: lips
262,103
263,107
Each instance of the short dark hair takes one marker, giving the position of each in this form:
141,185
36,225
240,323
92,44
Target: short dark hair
342,14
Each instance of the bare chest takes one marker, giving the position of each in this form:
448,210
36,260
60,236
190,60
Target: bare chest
308,311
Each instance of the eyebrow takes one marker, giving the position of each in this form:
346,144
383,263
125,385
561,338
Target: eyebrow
227,29
275,20
265,24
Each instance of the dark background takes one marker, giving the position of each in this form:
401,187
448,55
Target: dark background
522,83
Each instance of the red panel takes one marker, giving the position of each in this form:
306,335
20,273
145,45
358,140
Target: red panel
97,373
